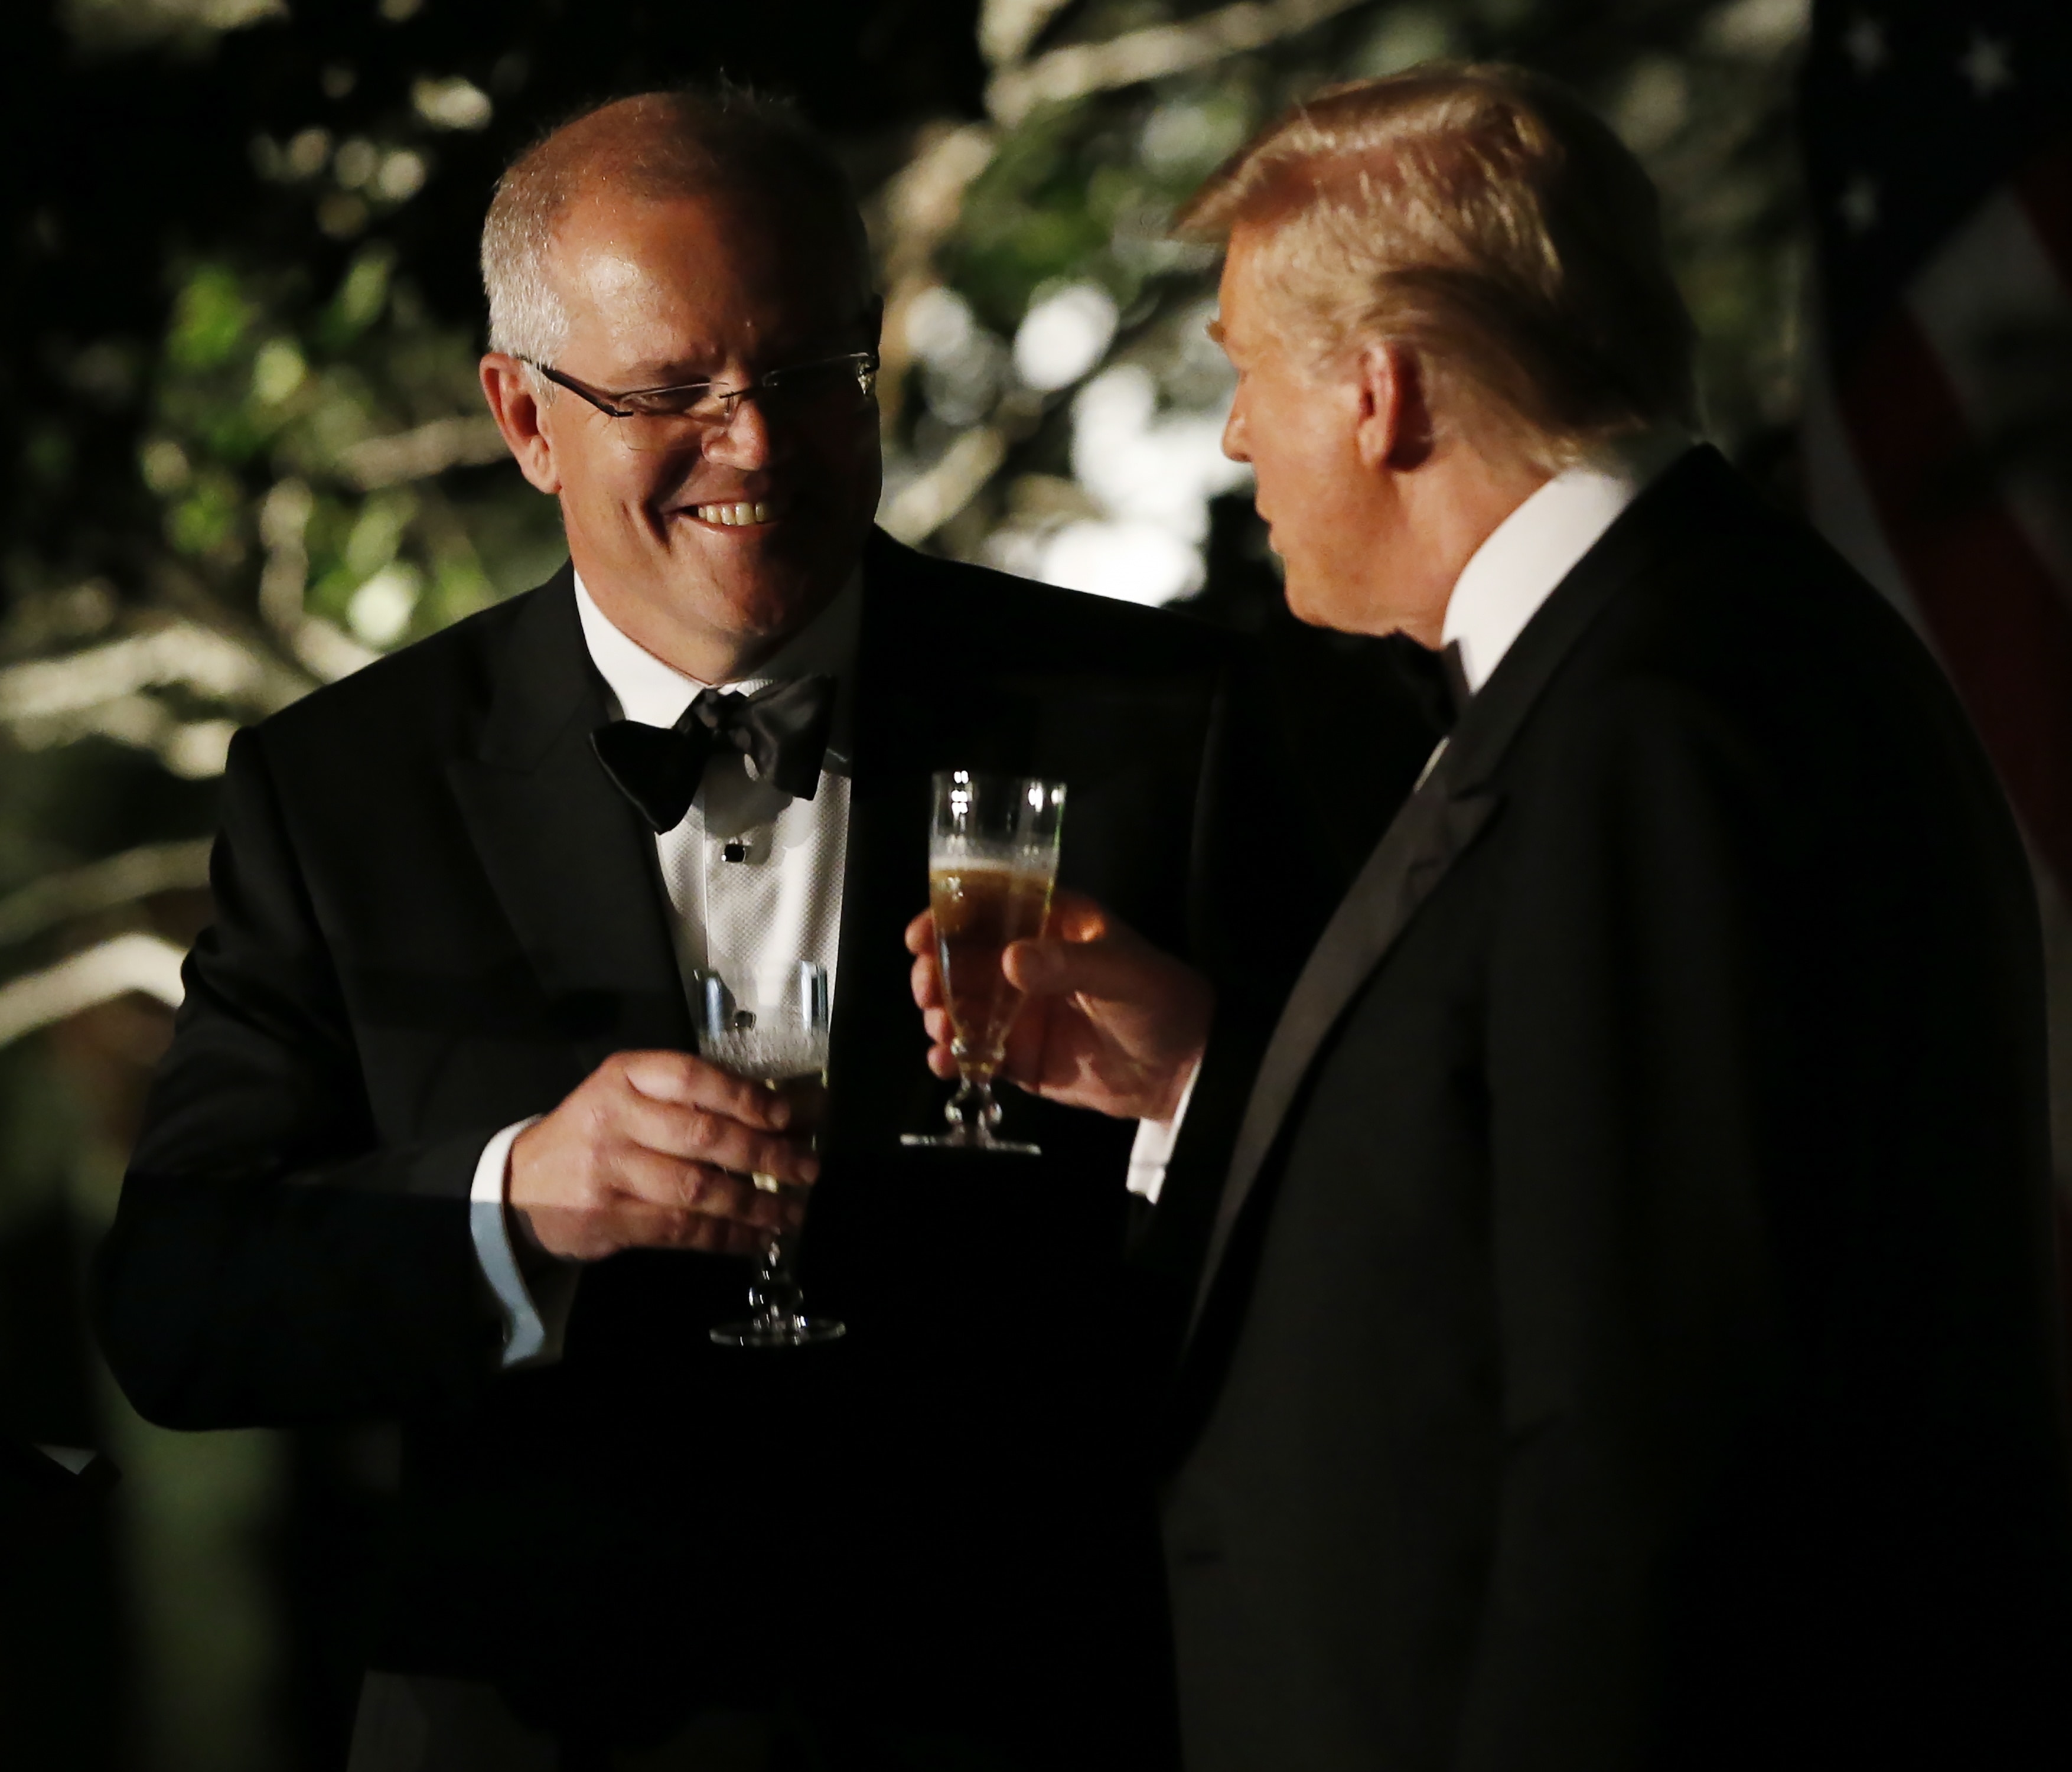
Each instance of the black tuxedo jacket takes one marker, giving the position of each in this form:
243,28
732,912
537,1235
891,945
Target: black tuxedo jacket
1625,1335
435,915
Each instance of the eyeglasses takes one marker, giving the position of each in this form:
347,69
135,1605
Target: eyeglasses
680,416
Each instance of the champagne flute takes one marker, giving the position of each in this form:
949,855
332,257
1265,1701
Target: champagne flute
775,1032
993,859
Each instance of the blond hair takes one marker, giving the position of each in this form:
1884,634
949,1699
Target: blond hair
1482,216
691,143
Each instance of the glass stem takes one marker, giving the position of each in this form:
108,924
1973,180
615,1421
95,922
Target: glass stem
971,1109
774,1296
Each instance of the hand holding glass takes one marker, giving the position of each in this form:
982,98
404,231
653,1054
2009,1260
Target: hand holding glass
776,1030
992,862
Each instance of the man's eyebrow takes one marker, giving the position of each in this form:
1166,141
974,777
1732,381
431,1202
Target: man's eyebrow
677,372
665,375
1216,331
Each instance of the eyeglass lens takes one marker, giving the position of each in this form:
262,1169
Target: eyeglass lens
803,392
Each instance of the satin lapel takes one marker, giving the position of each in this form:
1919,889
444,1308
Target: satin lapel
876,1037
1432,828
1438,822
570,863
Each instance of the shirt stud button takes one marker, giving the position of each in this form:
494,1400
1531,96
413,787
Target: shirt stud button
735,850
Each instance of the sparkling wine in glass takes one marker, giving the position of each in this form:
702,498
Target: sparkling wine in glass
992,859
775,1031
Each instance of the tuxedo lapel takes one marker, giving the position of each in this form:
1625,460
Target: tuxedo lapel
906,725
885,875
1435,826
570,864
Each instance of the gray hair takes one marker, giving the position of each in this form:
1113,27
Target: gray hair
694,142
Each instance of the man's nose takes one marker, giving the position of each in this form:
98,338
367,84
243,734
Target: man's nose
746,439
1234,445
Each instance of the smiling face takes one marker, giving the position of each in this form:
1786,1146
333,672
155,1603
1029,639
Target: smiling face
662,291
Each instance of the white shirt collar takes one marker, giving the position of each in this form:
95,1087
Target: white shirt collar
1532,550
655,693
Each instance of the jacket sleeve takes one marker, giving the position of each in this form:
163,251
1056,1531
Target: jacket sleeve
270,1263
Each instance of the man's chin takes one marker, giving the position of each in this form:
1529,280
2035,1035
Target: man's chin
1304,603
767,592
1323,600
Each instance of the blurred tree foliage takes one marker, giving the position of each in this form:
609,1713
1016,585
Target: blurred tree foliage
242,313
1104,114
244,454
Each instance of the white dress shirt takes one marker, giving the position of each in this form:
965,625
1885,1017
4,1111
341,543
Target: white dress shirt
1532,550
1506,580
754,880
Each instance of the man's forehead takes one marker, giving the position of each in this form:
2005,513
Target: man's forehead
731,233
680,266
606,220
606,274
618,270
1236,322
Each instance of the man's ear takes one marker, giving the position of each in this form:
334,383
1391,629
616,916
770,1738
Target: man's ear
514,402
1394,427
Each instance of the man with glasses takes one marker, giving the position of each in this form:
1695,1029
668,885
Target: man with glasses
431,1144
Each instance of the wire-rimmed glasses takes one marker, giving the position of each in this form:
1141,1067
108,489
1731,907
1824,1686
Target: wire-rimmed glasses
656,419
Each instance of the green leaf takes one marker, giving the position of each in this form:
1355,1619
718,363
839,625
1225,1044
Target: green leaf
364,292
207,519
210,318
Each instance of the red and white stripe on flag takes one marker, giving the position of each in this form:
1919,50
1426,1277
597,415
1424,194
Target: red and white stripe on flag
1914,471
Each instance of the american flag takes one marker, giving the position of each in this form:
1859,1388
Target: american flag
1937,439
1937,433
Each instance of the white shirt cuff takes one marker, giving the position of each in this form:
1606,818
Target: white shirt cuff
528,1333
1155,1140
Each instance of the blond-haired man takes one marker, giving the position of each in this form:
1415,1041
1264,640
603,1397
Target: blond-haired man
1616,1298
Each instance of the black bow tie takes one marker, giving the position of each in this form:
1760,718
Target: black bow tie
1435,681
782,729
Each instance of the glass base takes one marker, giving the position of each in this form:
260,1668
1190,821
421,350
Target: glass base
970,1137
972,1114
779,1332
